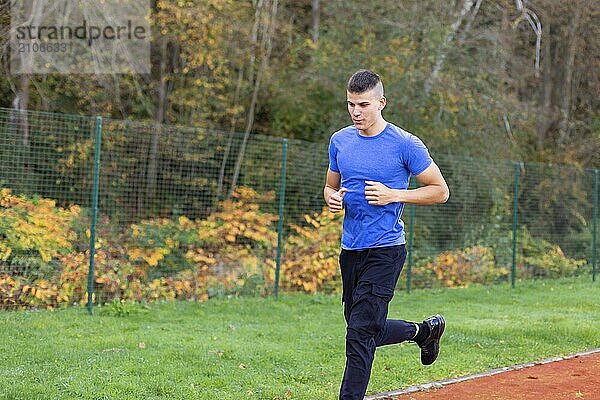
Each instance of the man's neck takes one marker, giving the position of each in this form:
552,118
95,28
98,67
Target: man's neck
375,129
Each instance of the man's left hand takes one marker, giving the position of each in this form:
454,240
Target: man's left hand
378,194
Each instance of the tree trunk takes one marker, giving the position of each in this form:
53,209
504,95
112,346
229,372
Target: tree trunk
546,95
21,103
231,134
159,118
444,49
254,39
503,45
21,100
266,42
565,104
316,20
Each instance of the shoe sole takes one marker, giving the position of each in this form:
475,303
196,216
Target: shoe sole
442,327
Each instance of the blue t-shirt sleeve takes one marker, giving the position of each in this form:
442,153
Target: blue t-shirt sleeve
333,157
418,156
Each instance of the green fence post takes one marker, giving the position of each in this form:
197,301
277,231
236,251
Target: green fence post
513,273
595,226
411,233
95,185
280,222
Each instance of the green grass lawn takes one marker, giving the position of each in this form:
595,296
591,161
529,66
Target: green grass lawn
257,348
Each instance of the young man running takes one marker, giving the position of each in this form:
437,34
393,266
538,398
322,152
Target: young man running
370,163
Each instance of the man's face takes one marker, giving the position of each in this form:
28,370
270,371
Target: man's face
365,108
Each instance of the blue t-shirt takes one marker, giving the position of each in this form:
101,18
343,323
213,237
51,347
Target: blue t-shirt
390,158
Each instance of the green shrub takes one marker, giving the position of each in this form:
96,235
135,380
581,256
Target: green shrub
539,258
311,262
33,233
461,267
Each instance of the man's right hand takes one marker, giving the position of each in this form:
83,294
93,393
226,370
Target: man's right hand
336,200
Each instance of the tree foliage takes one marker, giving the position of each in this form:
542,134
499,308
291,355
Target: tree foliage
521,76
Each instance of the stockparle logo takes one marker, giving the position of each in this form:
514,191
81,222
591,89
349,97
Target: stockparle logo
74,36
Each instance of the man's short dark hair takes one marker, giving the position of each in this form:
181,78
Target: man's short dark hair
362,81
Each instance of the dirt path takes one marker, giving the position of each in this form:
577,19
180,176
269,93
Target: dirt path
576,377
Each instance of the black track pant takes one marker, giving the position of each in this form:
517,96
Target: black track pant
369,277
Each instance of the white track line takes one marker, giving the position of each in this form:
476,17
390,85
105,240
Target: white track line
441,384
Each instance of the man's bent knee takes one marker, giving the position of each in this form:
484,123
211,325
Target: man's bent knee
369,313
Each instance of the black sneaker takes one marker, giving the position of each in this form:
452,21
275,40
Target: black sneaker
430,347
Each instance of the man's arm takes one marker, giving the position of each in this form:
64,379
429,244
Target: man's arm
434,190
332,193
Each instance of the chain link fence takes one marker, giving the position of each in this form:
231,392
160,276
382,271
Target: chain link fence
190,213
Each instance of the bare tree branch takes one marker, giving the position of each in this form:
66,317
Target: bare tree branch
536,25
443,52
470,20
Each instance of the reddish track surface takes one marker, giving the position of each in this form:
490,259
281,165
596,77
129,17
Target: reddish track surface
575,378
